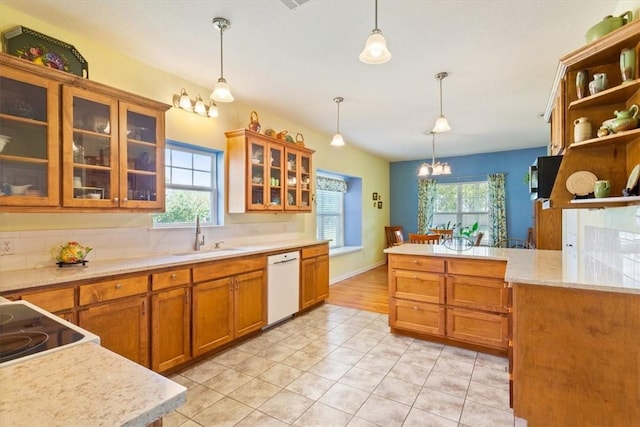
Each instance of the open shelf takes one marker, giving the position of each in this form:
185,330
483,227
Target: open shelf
615,95
607,201
616,138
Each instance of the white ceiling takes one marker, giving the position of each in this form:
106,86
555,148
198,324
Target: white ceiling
501,56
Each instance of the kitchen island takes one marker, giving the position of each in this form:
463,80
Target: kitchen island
84,385
574,346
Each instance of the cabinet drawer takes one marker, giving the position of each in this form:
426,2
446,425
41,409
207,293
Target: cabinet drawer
416,316
53,300
313,251
417,286
473,267
170,279
113,289
230,267
478,293
478,327
421,263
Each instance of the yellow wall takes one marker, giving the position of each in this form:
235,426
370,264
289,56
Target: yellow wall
114,68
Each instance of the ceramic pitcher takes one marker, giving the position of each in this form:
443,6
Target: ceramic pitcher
598,84
628,65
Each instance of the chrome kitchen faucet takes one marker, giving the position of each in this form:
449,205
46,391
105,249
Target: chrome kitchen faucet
199,242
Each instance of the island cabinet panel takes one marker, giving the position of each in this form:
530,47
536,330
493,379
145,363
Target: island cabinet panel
477,293
55,300
576,356
122,325
418,286
170,319
417,316
459,300
478,327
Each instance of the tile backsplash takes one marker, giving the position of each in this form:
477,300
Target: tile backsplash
32,249
612,254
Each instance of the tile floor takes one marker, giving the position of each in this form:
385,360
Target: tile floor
339,366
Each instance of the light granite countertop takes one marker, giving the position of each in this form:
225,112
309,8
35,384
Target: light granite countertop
85,385
536,267
95,269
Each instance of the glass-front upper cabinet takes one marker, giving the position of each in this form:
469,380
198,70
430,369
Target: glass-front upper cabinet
264,175
142,157
29,141
110,152
90,149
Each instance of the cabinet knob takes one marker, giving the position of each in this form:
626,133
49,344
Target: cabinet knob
415,308
173,276
115,199
125,199
415,261
118,285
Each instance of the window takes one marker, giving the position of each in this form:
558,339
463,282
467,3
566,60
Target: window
339,211
190,185
330,209
461,205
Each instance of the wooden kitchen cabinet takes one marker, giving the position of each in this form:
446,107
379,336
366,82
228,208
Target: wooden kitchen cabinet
547,227
266,174
314,275
170,318
29,117
457,300
122,325
611,157
229,301
111,141
116,310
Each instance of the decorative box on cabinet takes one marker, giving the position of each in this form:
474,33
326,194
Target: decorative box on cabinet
265,174
112,142
611,157
314,275
229,301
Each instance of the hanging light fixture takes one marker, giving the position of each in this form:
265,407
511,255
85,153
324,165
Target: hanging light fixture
442,125
435,168
222,91
337,140
375,50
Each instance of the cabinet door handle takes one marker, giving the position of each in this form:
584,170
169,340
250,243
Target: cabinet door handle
144,307
187,300
118,285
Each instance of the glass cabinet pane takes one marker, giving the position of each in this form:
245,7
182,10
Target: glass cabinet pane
257,174
275,176
24,139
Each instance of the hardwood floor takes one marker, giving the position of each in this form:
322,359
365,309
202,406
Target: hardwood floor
366,291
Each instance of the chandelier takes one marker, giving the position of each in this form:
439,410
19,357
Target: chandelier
435,168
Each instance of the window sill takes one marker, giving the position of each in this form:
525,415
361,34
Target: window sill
344,250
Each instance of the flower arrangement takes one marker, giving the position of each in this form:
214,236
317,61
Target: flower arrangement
71,253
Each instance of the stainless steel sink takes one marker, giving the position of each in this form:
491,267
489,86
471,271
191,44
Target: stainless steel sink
211,252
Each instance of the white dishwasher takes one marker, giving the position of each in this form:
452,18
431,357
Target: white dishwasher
283,292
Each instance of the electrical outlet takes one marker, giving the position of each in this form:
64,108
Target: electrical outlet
6,247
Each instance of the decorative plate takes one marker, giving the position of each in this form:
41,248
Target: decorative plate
633,177
581,183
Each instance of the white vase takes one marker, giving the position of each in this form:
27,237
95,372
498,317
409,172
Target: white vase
582,129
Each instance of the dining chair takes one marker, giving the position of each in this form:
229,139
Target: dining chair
426,239
515,244
444,233
394,235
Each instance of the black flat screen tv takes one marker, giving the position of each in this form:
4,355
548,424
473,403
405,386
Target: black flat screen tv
542,176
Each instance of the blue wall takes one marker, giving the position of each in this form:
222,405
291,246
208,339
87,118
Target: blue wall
515,163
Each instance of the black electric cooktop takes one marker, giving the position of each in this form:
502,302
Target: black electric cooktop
25,331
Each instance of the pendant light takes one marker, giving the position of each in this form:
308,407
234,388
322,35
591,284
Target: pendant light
435,168
222,91
337,140
442,125
375,50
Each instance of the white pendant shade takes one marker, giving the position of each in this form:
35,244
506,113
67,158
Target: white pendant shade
222,92
199,107
213,110
442,125
375,50
337,140
185,101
